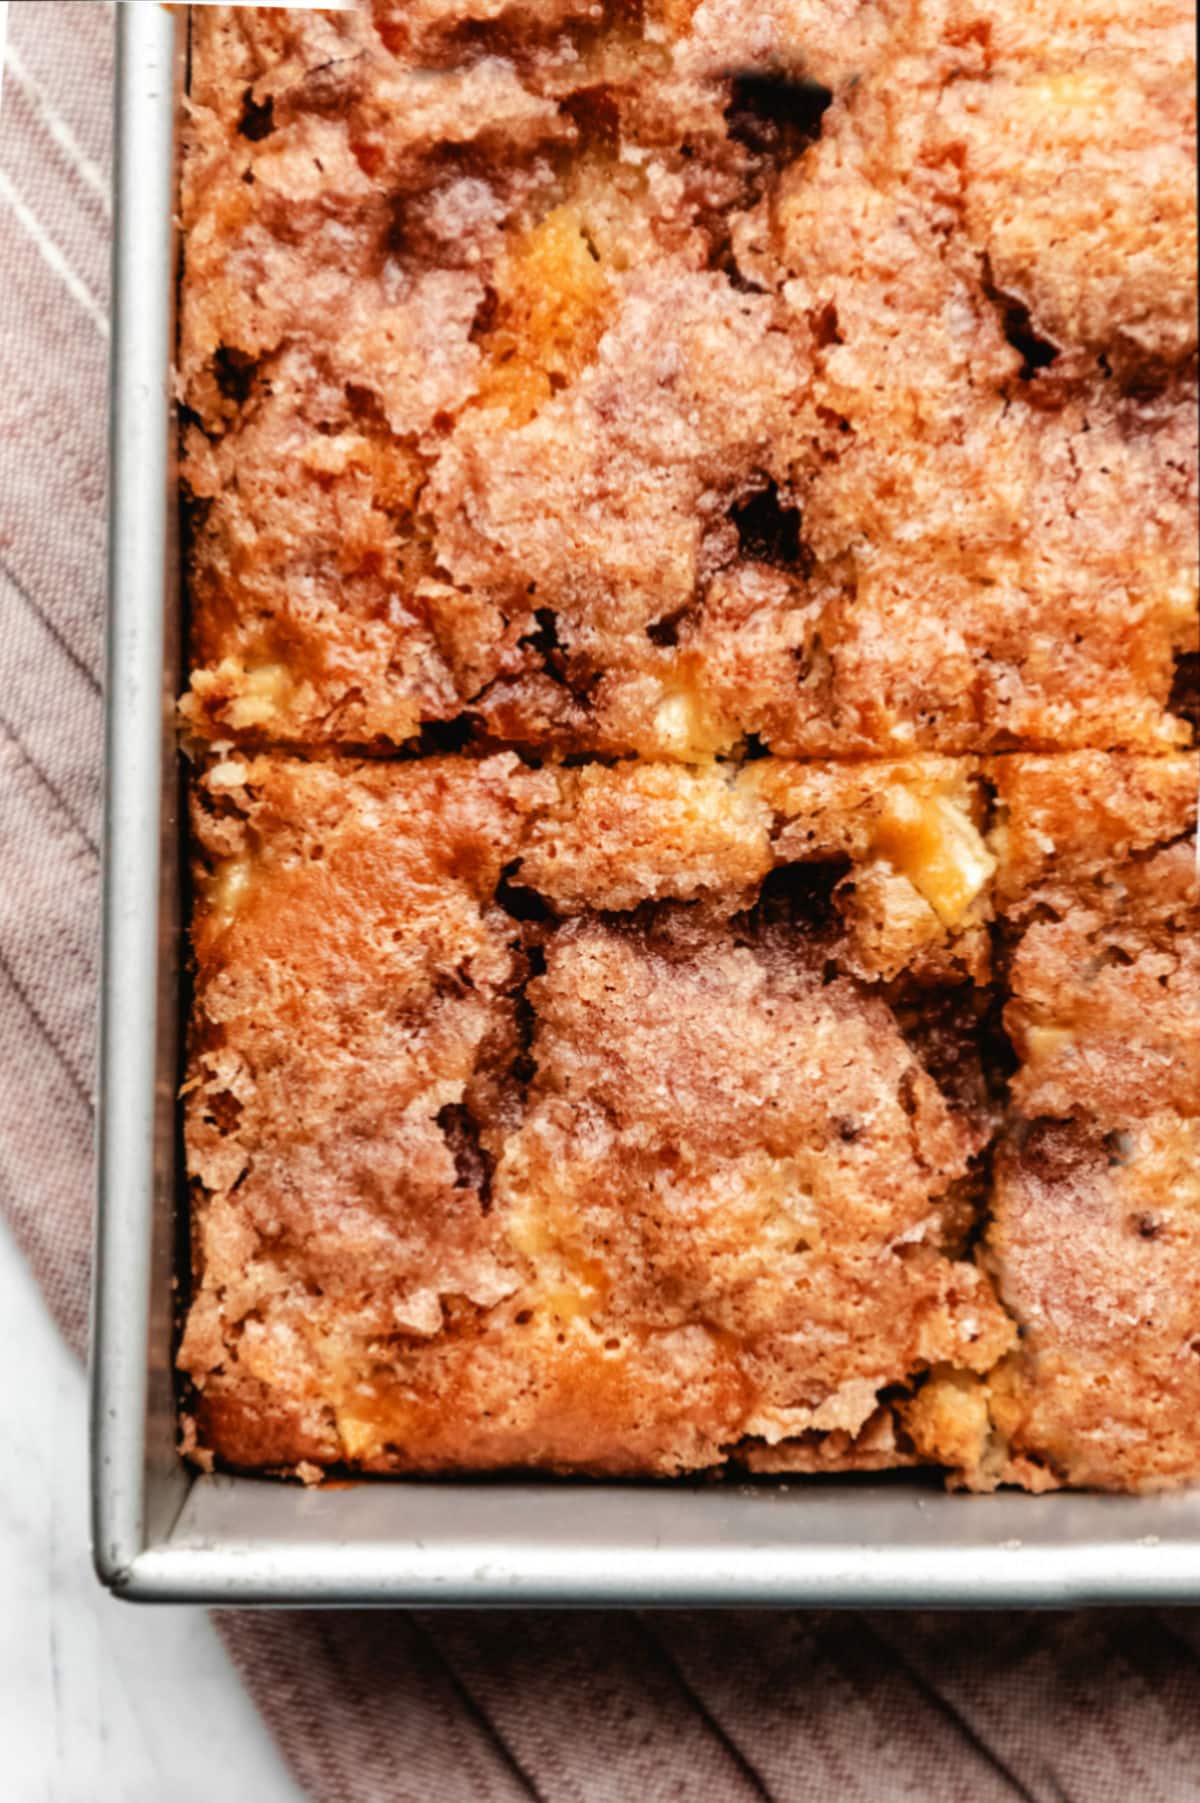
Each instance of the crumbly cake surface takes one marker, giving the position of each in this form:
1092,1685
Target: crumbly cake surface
640,1119
1095,1234
663,377
522,1147
692,571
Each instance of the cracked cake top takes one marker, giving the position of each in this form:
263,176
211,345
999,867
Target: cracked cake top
691,549
518,1143
671,378
639,1119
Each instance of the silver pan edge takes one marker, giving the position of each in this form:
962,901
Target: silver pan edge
162,1532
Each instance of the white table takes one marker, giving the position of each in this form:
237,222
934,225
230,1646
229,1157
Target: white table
100,1702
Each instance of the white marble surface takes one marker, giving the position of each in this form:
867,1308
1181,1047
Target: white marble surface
100,1702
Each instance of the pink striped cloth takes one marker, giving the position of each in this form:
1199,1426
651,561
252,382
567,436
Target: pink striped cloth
1102,1708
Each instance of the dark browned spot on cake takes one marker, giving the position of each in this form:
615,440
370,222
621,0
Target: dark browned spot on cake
776,115
473,1165
769,531
596,116
522,903
1035,351
800,896
544,639
223,1109
1185,688
234,372
438,738
1059,1151
257,117
825,326
665,632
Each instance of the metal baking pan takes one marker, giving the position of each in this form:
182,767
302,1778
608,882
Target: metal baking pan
163,1531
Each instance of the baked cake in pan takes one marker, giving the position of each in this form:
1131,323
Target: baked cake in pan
669,377
692,569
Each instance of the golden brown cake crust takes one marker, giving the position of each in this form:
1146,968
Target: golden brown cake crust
671,378
1097,1245
692,562
586,1118
1095,1235
618,1176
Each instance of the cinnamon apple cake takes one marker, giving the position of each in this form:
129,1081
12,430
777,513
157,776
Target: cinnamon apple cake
691,561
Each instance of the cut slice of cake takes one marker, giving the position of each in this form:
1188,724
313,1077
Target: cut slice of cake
577,1120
